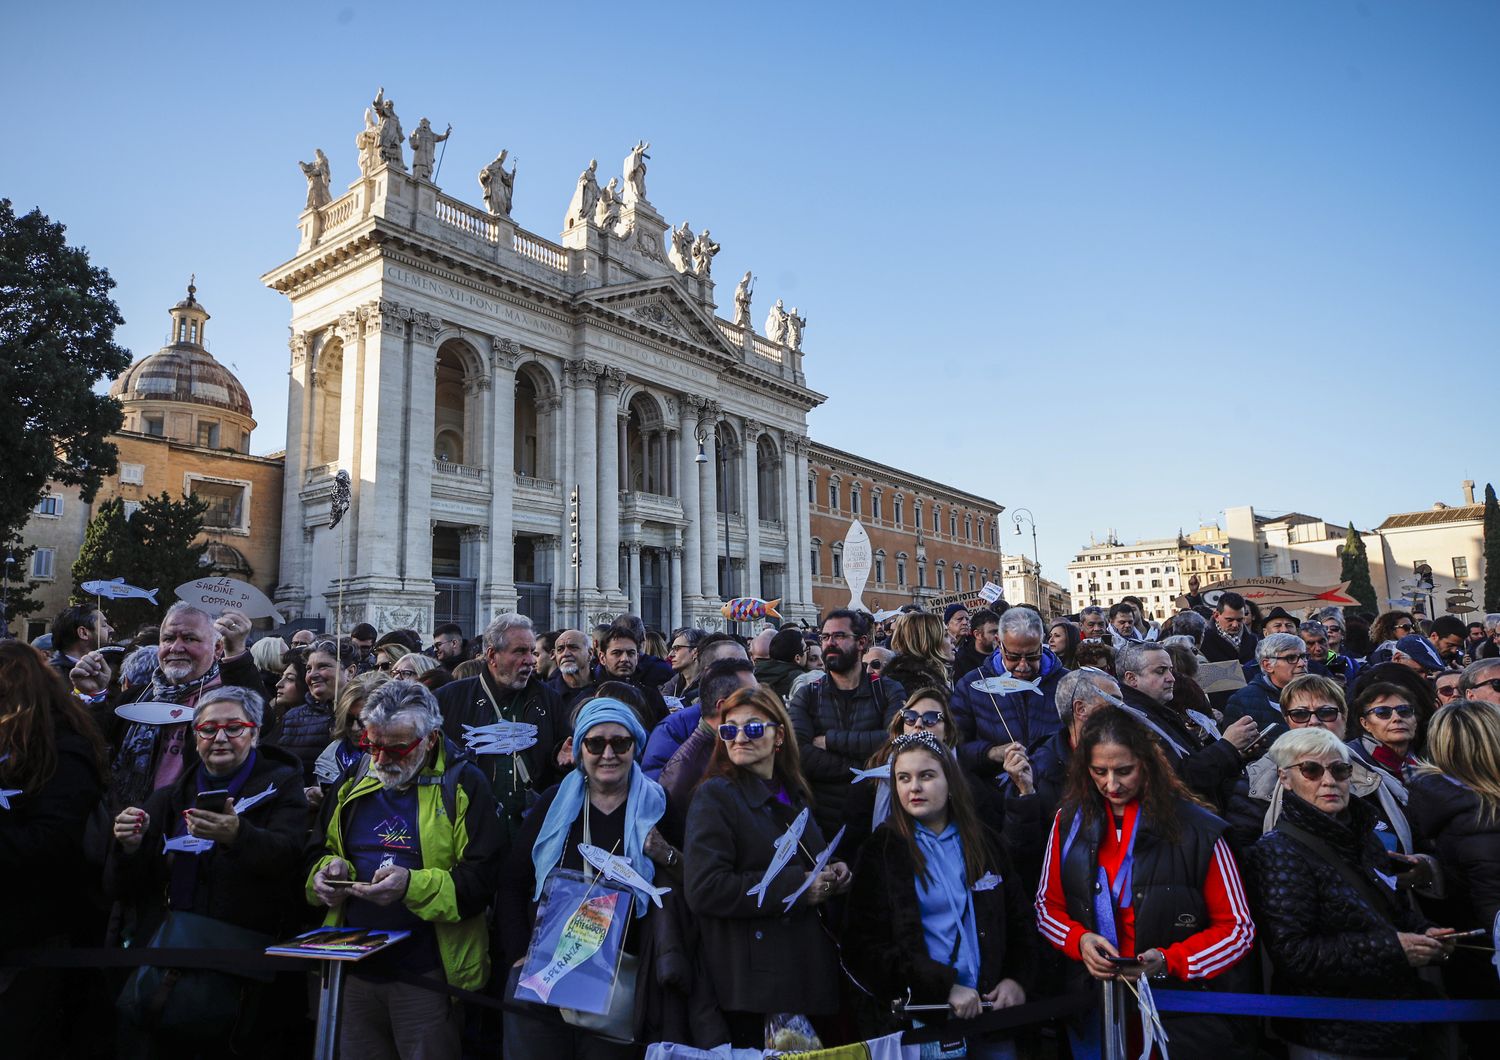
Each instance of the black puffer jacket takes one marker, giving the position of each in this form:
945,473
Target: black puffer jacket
305,731
853,726
1446,815
1328,938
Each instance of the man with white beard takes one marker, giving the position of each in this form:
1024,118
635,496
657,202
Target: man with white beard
196,652
414,827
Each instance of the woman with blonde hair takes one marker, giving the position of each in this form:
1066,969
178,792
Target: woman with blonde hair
1455,808
387,655
344,751
924,652
761,955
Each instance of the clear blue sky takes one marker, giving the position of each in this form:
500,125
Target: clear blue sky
1252,244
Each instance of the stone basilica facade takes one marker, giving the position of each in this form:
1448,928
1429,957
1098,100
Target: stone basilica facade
470,376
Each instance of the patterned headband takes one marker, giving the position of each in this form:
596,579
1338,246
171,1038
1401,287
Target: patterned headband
913,741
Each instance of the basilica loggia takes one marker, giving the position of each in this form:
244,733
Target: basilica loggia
495,397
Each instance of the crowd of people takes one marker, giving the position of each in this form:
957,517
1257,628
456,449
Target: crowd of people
966,811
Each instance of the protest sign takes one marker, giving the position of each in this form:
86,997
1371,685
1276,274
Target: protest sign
574,957
223,595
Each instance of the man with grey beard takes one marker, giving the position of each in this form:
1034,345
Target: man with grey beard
414,827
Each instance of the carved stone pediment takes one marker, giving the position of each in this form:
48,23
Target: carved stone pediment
661,304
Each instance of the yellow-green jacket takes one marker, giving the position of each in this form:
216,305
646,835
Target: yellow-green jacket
461,856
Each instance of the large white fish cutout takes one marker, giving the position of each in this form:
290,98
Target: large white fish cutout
618,868
819,864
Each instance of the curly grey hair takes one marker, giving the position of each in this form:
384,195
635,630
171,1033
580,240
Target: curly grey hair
403,699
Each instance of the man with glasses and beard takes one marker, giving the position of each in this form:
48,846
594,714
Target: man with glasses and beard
842,719
415,827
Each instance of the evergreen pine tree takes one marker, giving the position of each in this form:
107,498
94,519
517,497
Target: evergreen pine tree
1356,571
153,549
1491,551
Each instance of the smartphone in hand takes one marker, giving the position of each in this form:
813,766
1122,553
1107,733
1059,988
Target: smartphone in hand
212,801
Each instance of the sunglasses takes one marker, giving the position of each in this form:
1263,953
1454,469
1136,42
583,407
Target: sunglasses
1405,710
753,730
1403,625
1340,771
620,745
1493,685
1451,692
1302,715
390,750
927,718
385,667
874,665
210,730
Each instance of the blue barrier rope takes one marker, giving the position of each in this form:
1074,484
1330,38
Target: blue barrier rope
1348,1009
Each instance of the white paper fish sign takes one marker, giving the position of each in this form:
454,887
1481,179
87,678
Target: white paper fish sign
819,864
6,793
244,804
500,738
1001,686
786,849
223,595
116,589
186,844
618,868
150,712
878,773
857,559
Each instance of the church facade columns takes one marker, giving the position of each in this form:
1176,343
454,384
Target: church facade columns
296,553
708,489
750,483
691,409
497,583
607,429
586,467
676,579
804,533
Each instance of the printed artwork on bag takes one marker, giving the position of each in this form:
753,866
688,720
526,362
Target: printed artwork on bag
573,961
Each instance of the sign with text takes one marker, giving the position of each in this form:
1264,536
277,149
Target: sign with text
857,559
225,595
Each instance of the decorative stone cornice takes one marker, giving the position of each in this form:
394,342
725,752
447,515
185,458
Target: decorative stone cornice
548,404
348,327
584,373
752,430
474,533
297,343
385,317
614,380
633,547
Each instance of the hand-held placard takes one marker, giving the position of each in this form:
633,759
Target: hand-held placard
500,738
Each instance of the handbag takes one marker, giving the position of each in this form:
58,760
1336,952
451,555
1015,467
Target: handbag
194,1002
618,1024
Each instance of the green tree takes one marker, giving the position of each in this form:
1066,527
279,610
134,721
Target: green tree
57,328
152,549
1491,550
18,601
1356,571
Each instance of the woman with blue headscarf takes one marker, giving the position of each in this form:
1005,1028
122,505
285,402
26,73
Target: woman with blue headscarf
607,802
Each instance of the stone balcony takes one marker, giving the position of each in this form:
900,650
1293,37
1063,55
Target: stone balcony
650,507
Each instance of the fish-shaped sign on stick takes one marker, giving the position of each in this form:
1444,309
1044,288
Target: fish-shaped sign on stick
878,773
749,609
819,864
618,868
228,595
116,589
856,564
186,844
153,712
500,738
1004,685
786,849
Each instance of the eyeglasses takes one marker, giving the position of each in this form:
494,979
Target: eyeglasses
927,718
1325,712
210,730
1405,710
385,667
874,664
620,745
1404,625
390,750
1451,692
1493,685
679,647
404,675
753,730
1293,659
828,638
1339,771
1011,657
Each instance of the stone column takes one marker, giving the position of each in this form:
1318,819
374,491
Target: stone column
420,401
624,451
586,467
497,587
796,557
804,526
676,576
291,589
636,602
750,474
692,585
608,431
567,465
708,513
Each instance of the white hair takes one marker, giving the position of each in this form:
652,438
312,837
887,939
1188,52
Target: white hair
403,699
182,607
1276,643
1310,742
497,631
1021,621
250,702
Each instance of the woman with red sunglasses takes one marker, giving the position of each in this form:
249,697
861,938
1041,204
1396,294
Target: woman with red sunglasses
1329,913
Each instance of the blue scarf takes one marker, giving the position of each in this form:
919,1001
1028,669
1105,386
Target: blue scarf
947,909
186,869
644,805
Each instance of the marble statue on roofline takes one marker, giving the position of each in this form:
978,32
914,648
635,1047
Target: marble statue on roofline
585,195
498,186
368,142
607,209
704,250
776,323
424,148
794,326
389,126
635,173
742,293
680,253
317,175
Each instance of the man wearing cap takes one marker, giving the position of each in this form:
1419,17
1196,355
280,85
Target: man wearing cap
1278,621
1415,652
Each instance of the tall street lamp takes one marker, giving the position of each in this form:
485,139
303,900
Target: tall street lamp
1036,562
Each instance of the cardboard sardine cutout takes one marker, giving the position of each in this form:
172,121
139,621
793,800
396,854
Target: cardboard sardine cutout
786,849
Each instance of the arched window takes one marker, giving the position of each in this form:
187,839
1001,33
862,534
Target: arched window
767,479
875,504
327,402
854,498
901,570
450,415
899,514
646,458
880,567
728,483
